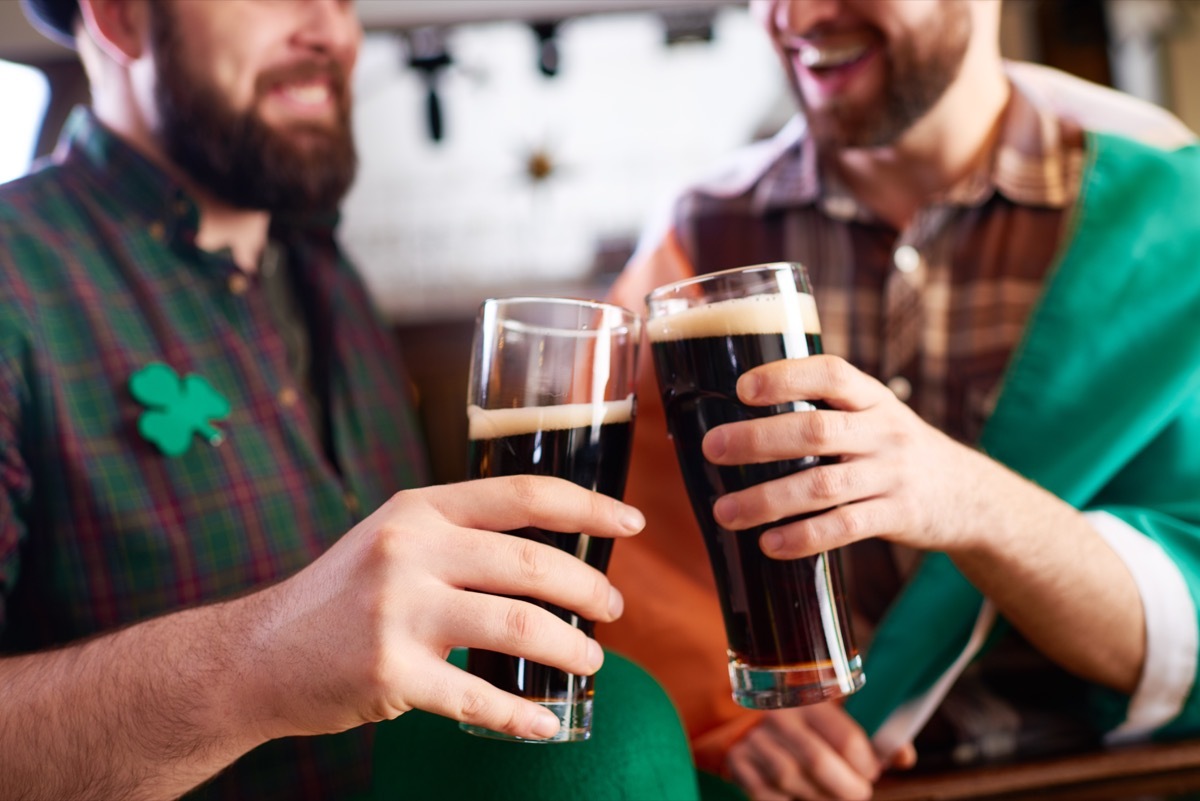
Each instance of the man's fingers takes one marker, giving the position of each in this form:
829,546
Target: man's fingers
505,564
807,491
814,378
825,768
512,502
828,530
455,694
846,737
793,435
519,628
775,767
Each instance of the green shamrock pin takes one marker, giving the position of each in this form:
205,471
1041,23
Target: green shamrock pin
176,408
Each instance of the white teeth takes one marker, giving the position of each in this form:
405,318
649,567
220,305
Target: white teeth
816,57
313,94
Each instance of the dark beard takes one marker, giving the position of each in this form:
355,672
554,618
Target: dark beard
916,80
234,154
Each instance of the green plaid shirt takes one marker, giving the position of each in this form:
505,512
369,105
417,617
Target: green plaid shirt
99,277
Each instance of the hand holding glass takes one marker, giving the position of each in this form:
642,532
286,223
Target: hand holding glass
551,393
785,620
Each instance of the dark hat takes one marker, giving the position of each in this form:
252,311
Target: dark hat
54,18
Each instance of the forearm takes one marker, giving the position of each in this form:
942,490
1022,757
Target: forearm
146,712
1055,579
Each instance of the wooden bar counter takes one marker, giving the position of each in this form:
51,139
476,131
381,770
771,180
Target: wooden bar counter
1149,772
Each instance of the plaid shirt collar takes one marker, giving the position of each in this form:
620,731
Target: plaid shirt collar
1030,165
149,192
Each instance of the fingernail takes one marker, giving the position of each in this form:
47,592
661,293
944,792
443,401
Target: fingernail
715,443
748,387
725,510
595,655
616,603
771,542
546,724
633,520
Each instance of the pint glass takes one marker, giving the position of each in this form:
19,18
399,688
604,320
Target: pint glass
786,621
551,393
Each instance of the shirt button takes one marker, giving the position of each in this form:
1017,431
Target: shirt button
238,284
351,501
288,397
841,207
901,387
906,258
158,231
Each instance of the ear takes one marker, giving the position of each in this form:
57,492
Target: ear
119,27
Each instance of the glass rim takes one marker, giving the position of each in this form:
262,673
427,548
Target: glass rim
771,266
631,321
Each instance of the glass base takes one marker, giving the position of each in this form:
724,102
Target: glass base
776,688
574,724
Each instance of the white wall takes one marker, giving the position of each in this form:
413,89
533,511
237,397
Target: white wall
436,227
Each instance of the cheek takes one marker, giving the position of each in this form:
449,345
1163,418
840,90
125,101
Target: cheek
235,81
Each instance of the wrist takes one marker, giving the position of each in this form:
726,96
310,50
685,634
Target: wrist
248,697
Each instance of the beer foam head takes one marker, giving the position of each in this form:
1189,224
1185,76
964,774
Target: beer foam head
493,423
757,314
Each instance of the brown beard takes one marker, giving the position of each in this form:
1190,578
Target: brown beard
235,154
919,71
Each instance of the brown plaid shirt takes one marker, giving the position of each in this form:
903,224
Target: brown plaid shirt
934,311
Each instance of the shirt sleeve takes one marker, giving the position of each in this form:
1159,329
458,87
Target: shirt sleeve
1172,639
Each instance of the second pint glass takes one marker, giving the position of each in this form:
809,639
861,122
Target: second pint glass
551,394
785,620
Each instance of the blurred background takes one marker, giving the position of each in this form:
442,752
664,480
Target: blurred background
512,146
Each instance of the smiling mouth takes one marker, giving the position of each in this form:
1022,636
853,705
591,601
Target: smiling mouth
828,57
315,93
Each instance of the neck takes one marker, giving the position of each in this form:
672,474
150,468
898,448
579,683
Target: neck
954,138
242,231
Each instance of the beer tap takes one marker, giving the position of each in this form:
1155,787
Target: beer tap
427,54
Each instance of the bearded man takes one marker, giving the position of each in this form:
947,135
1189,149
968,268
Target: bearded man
216,554
1003,262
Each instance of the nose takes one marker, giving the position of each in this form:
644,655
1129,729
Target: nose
331,27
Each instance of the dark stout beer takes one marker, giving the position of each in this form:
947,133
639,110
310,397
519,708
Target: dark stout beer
585,444
779,614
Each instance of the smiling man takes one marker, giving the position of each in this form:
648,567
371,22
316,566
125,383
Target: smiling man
217,559
1003,260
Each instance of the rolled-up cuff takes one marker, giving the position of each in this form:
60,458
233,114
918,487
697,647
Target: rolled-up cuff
1172,638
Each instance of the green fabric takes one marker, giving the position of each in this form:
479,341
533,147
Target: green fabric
714,788
638,750
1101,406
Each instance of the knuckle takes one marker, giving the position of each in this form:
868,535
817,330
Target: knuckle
826,483
521,624
473,704
389,544
852,523
525,490
838,370
818,428
532,563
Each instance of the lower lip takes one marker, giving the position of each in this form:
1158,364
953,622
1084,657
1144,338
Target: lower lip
831,81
